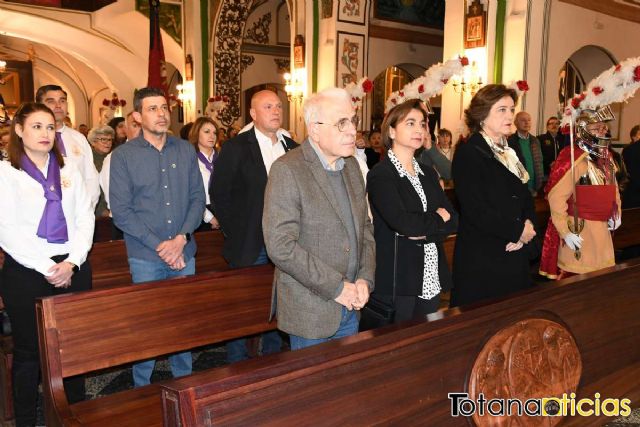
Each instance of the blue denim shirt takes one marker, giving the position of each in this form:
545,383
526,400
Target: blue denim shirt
155,195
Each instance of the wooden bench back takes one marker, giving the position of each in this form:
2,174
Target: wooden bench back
111,267
402,375
88,331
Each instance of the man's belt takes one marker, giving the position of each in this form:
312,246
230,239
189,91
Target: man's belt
595,202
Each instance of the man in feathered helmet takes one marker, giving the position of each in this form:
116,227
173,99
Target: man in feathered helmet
582,190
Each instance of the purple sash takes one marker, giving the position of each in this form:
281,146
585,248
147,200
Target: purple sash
208,164
53,224
60,144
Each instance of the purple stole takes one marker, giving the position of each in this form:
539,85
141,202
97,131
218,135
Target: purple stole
208,164
53,224
60,144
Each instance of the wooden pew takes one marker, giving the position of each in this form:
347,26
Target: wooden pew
401,375
111,267
90,331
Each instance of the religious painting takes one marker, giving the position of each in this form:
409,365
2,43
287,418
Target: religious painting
349,58
428,13
326,9
170,18
352,11
475,26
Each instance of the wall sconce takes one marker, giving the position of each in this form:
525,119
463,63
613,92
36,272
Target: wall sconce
296,84
187,93
470,81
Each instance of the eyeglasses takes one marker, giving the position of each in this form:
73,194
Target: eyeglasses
104,139
343,124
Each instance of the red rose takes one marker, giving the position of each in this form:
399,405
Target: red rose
105,102
123,102
464,61
115,102
394,101
401,93
636,74
444,81
421,89
367,86
210,99
575,102
218,98
597,90
523,86
618,67
582,96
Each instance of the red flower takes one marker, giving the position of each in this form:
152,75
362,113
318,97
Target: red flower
575,102
636,74
105,102
115,102
618,68
210,99
401,93
464,61
394,101
582,96
597,90
523,86
421,89
367,86
444,81
123,102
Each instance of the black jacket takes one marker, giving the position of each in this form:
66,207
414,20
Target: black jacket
237,193
550,147
396,207
494,205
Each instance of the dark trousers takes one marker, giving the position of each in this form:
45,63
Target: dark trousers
410,307
20,288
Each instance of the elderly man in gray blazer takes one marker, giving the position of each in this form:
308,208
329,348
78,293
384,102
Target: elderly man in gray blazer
316,228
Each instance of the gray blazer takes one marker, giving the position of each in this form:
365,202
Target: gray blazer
307,241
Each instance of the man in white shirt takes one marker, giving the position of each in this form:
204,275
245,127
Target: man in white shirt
72,144
133,130
237,193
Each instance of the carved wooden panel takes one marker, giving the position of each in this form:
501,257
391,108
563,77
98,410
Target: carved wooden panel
534,358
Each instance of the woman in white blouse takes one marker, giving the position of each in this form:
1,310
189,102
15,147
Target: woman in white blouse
46,230
203,136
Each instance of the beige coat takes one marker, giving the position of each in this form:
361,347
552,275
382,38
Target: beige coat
307,241
597,246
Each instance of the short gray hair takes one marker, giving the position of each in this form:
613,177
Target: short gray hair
100,130
315,103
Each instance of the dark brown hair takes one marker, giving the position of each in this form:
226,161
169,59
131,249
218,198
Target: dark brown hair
482,102
397,114
15,149
194,133
42,90
445,132
634,131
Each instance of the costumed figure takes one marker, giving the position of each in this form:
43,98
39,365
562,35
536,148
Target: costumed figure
582,190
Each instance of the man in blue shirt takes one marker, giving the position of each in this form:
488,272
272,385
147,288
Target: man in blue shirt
157,200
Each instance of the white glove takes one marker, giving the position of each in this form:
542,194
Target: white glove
614,223
573,241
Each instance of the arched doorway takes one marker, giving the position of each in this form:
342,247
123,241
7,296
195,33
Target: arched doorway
390,80
278,88
581,67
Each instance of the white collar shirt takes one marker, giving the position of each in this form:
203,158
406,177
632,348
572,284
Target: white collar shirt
22,204
79,152
270,151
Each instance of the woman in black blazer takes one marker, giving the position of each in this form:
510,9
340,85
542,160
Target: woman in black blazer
406,198
491,257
